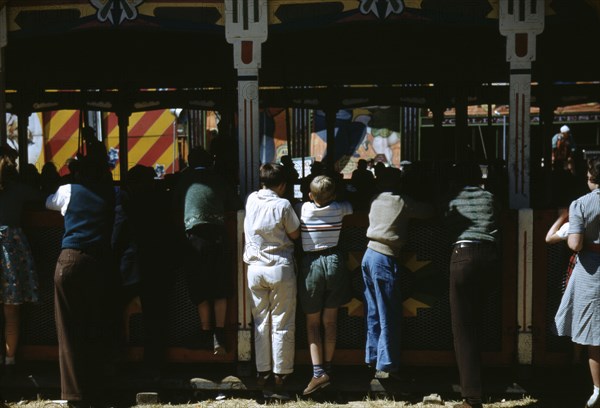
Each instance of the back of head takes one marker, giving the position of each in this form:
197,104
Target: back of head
467,174
8,165
199,157
140,174
594,170
362,164
322,189
564,129
272,175
286,160
389,178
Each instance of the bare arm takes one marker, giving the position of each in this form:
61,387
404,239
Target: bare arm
551,236
575,242
294,234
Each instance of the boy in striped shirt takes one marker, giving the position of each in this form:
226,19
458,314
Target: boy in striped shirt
324,284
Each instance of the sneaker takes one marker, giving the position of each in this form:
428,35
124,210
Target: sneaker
316,383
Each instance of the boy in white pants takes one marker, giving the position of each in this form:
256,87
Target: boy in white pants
270,227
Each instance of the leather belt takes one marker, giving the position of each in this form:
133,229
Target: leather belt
470,244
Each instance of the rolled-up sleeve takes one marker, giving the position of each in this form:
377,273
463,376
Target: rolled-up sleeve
59,201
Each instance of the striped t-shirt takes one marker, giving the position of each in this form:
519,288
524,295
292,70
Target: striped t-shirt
320,226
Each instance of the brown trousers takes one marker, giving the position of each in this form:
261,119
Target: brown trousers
473,269
82,323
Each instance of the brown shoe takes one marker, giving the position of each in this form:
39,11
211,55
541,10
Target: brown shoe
280,380
316,383
262,378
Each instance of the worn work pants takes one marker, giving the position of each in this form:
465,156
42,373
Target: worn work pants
82,327
473,270
273,290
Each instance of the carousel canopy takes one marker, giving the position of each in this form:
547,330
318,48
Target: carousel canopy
326,49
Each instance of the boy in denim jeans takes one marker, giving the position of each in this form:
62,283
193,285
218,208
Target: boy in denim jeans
389,217
324,284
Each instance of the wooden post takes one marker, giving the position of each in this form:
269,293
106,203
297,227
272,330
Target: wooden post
3,43
246,27
23,141
123,120
520,22
330,114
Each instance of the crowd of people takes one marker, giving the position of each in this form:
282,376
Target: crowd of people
292,254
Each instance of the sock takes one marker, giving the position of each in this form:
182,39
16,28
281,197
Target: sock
9,360
594,396
328,367
318,370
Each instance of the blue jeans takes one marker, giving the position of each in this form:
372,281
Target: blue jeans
384,310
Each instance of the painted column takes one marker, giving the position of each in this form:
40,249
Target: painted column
246,27
3,43
520,22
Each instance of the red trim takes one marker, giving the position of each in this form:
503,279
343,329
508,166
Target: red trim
525,271
252,170
516,166
245,140
522,175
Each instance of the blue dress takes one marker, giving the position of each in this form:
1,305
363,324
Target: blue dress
578,315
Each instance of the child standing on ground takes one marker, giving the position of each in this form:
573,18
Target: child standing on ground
270,226
324,285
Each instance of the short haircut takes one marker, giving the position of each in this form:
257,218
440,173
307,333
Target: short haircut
199,157
322,189
272,175
594,170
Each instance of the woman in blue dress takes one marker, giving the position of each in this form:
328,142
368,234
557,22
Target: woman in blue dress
578,315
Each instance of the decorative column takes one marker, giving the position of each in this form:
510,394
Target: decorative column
520,22
3,43
123,121
246,27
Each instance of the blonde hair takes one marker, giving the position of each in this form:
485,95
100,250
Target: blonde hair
322,189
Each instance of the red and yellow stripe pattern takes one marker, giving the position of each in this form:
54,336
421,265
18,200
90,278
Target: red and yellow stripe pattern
61,135
152,139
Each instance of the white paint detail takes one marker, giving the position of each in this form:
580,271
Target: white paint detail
244,337
525,286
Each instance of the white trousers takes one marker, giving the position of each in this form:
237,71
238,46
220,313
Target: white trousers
273,290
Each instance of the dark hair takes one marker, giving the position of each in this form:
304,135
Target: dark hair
272,175
8,165
467,173
389,178
594,170
199,157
